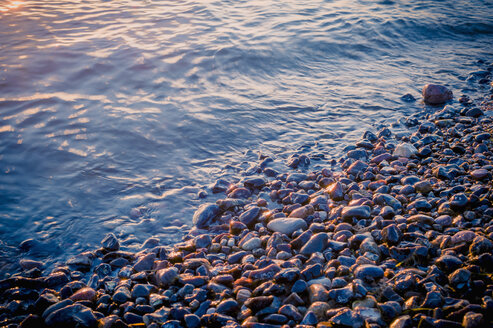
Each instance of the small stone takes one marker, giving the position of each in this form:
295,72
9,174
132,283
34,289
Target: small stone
405,150
203,241
291,312
458,201
342,295
258,303
228,306
251,244
110,243
299,286
142,290
463,236
310,319
480,245
122,295
448,263
434,94
145,263
27,264
408,97
192,321
346,318
424,187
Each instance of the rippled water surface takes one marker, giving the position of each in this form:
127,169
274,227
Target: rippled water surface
115,114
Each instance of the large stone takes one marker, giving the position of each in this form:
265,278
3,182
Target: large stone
205,214
287,225
435,94
358,212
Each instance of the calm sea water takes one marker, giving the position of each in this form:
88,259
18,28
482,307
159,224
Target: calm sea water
115,114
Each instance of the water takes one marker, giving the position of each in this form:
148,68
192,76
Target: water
115,114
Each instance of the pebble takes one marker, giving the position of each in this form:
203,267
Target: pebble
435,94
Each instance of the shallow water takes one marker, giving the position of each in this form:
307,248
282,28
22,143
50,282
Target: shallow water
115,114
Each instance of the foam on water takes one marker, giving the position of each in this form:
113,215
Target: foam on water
108,106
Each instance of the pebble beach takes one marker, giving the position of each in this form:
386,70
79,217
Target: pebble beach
398,233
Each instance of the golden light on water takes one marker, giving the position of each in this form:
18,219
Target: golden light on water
10,5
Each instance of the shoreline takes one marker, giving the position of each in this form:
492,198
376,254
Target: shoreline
400,237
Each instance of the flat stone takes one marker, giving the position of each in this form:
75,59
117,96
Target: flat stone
84,294
420,218
358,212
287,225
423,187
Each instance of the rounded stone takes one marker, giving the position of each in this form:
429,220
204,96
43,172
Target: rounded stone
435,94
